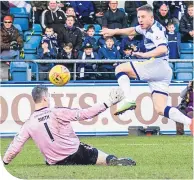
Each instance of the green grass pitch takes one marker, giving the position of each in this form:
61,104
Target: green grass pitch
157,157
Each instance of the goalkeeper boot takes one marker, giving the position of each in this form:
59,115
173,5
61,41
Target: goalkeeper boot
122,162
126,106
191,127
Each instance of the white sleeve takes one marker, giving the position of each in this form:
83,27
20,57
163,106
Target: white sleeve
139,30
159,38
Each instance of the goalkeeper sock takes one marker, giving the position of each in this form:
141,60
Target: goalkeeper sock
124,83
174,114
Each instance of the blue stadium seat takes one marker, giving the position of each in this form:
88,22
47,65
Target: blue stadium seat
186,48
122,9
97,28
187,56
30,48
18,71
37,28
183,66
17,26
184,75
21,17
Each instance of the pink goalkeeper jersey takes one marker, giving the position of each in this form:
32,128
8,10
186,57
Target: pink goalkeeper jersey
51,130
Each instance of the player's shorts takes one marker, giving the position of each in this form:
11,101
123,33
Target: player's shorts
85,155
156,72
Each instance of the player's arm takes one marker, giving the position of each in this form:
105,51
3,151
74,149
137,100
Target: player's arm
16,145
115,96
126,31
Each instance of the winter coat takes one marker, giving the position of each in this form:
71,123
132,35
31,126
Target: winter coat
100,6
84,8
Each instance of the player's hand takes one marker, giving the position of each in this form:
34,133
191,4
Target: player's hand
139,54
115,96
107,32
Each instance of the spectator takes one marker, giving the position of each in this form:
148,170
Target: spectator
66,53
38,7
134,42
51,38
157,5
45,53
108,52
114,17
11,41
102,42
186,105
174,41
163,15
90,37
85,12
186,25
70,34
4,9
71,12
131,10
100,7
176,9
88,53
127,52
53,17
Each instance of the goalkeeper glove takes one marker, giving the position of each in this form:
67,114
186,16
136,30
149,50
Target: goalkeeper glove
115,96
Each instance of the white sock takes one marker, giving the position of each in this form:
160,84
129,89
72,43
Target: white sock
177,116
124,83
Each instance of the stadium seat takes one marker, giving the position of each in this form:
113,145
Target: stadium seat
21,17
182,75
17,26
30,48
18,71
187,56
183,66
186,48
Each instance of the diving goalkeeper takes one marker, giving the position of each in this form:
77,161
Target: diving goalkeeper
51,130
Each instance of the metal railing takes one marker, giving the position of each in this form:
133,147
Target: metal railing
92,61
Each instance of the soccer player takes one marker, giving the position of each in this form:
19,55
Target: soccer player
51,130
156,70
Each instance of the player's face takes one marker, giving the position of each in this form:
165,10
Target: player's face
109,43
171,28
70,22
190,11
88,51
90,32
145,19
67,49
49,31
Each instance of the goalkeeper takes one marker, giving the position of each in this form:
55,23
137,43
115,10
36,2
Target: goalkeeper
51,130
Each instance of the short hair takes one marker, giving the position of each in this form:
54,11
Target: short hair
70,45
190,6
108,37
146,7
90,27
69,7
38,92
69,16
170,23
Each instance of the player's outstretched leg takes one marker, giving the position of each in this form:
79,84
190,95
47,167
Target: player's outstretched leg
123,73
170,112
111,160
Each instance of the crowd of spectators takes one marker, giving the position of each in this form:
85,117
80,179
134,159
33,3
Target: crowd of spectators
64,36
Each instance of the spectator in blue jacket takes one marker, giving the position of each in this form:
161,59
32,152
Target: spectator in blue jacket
134,41
174,40
108,52
87,53
45,53
85,12
89,38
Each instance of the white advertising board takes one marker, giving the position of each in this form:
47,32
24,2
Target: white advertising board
16,106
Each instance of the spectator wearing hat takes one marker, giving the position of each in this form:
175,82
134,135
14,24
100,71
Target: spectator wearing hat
11,44
45,53
87,53
89,38
51,39
127,52
108,52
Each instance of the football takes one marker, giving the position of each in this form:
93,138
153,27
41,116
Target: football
59,75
